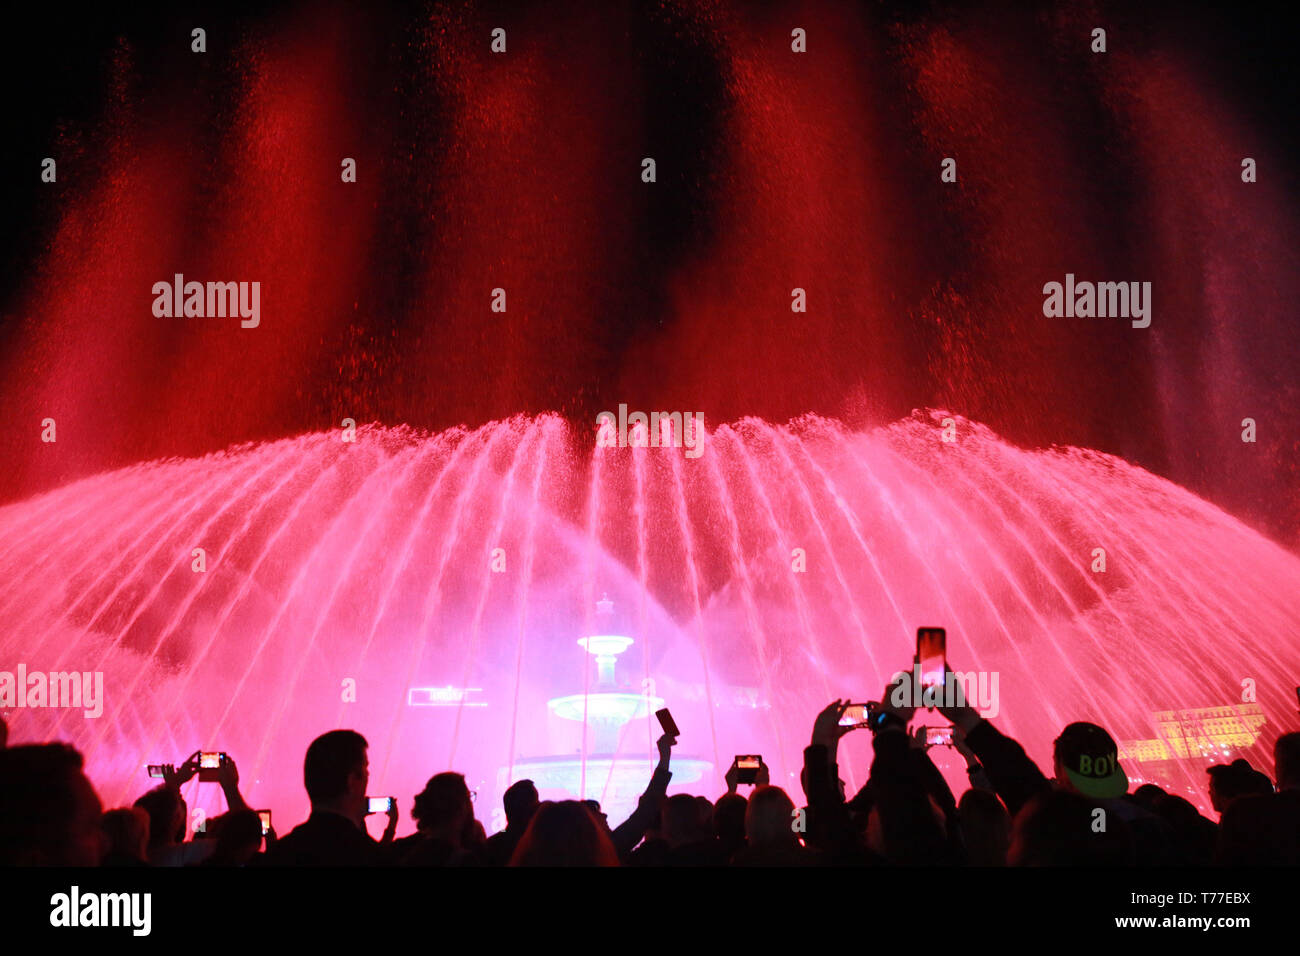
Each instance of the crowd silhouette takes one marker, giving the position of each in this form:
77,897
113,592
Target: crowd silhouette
906,814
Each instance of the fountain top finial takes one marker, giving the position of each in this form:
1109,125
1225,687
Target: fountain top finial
605,607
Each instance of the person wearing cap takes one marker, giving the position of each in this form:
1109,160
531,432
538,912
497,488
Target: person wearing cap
1085,761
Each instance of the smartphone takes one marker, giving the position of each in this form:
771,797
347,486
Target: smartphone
857,715
932,652
379,804
747,767
210,762
667,723
265,816
939,736
157,771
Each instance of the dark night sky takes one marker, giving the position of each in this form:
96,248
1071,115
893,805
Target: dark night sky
53,69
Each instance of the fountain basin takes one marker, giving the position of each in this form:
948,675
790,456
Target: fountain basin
604,706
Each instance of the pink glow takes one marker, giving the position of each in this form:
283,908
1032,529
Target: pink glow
329,561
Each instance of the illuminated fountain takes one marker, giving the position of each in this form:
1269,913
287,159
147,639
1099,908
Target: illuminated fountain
616,781
245,579
605,708
788,565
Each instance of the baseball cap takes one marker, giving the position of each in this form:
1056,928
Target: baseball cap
1091,761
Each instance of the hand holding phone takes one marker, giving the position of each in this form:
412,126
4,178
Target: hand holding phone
747,766
828,727
380,805
210,765
669,738
175,776
938,736
227,772
858,715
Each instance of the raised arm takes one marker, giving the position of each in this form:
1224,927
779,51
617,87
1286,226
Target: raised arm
629,833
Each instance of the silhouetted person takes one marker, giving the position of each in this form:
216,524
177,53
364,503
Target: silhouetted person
770,838
520,803
1286,762
1085,762
690,837
1286,756
1264,829
126,831
475,838
166,811
729,823
597,812
4,734
1059,828
911,814
816,835
979,780
831,828
646,815
684,837
1233,780
565,834
168,814
985,827
238,838
1148,795
907,827
444,825
335,772
49,812
1258,830
1195,836
652,851
705,808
